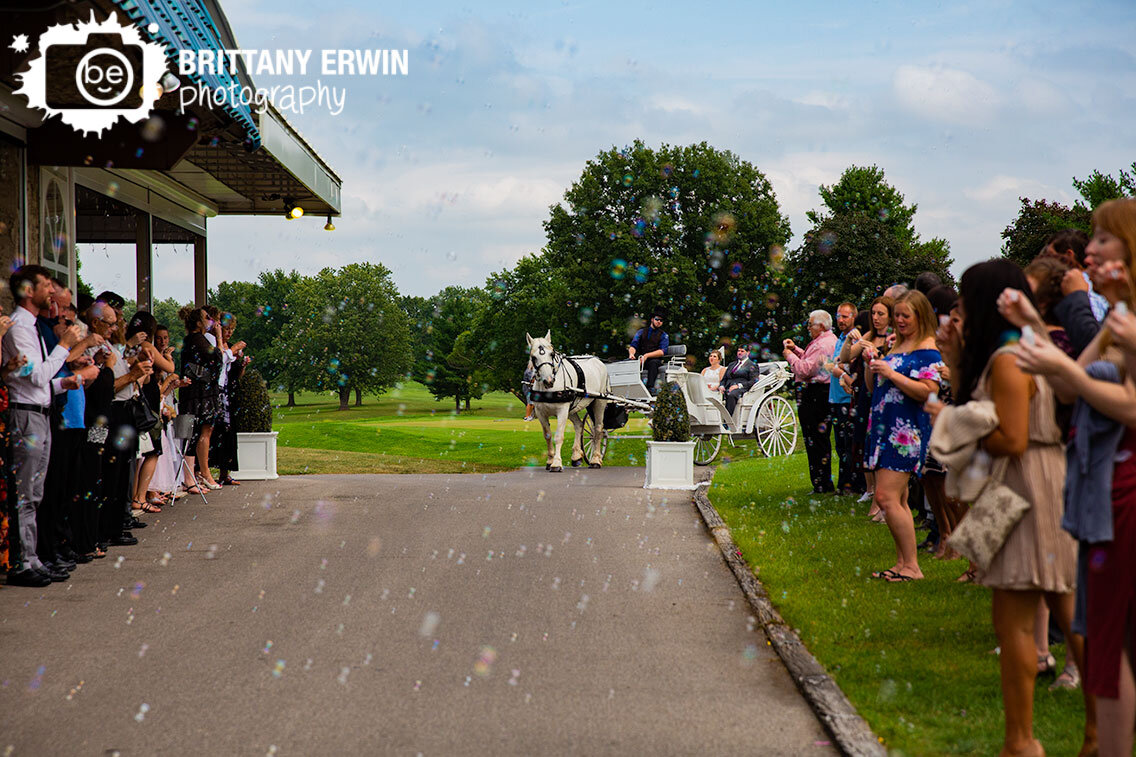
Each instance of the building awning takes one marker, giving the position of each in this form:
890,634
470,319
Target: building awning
188,25
272,163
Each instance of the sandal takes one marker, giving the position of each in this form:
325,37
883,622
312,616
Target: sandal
98,554
887,575
195,489
1069,680
1046,664
149,507
230,481
968,577
898,578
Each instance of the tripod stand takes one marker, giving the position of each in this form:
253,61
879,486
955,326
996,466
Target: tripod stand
183,433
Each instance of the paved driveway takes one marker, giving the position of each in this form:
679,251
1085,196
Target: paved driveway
516,613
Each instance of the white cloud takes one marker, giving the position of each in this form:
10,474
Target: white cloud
945,94
1007,189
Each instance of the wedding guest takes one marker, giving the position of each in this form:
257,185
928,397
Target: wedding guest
812,404
899,429
739,378
876,341
1038,559
201,364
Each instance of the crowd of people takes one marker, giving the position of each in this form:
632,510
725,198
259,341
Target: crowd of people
101,423
1022,385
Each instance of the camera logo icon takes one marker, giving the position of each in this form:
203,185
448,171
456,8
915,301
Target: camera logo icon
92,73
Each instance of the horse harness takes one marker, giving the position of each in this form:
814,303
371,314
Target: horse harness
563,395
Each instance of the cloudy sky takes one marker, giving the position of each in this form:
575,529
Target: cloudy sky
449,172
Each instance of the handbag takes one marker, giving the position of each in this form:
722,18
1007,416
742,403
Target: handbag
141,414
994,514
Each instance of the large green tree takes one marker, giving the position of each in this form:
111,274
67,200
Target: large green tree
689,228
863,239
347,331
445,361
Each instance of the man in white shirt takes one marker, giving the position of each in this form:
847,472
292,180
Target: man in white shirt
30,392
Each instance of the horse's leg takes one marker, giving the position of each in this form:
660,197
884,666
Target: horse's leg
597,409
577,440
557,464
542,416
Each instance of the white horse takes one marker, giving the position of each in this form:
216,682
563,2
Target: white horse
562,387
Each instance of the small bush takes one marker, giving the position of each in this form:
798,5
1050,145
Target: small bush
669,421
254,407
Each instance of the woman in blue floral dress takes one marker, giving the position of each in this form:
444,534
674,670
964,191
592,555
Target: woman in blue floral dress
899,430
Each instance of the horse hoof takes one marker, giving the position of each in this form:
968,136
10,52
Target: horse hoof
557,469
577,463
547,467
594,465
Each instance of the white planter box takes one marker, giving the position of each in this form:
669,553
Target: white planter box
670,465
256,456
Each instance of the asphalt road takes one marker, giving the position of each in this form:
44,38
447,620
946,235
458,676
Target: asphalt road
516,613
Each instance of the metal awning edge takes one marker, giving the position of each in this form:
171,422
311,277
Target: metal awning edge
297,157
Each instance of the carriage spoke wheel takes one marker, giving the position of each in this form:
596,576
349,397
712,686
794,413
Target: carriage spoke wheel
776,427
589,440
706,448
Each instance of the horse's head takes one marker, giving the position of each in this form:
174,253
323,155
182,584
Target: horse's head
540,356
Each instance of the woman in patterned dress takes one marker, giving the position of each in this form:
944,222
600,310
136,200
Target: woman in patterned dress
899,430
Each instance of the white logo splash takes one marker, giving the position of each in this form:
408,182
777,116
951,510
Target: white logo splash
90,84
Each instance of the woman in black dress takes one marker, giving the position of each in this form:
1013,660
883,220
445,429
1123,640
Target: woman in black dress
225,432
201,364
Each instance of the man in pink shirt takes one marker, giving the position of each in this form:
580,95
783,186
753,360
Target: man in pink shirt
812,403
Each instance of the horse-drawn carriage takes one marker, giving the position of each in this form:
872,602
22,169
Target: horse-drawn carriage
761,412
619,386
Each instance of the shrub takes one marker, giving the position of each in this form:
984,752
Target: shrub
669,421
253,405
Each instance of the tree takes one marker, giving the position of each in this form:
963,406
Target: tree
848,258
347,331
445,361
863,239
263,309
518,301
863,191
1038,220
1098,187
689,228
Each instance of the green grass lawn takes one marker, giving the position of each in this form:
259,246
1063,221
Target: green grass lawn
407,431
913,658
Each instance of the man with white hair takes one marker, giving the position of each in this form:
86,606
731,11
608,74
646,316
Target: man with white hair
812,398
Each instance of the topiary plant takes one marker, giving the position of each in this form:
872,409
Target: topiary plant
253,405
669,421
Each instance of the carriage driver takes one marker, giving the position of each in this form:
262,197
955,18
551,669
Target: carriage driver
650,345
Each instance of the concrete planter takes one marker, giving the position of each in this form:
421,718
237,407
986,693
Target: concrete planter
256,456
670,465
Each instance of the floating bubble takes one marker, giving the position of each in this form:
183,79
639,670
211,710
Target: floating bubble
429,625
483,666
618,268
628,179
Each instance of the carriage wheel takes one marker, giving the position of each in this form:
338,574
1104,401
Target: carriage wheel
776,427
589,440
706,448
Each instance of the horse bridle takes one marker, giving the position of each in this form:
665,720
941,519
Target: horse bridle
554,362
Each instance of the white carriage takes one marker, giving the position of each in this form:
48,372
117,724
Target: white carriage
761,413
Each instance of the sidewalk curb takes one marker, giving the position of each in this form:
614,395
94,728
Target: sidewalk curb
850,733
